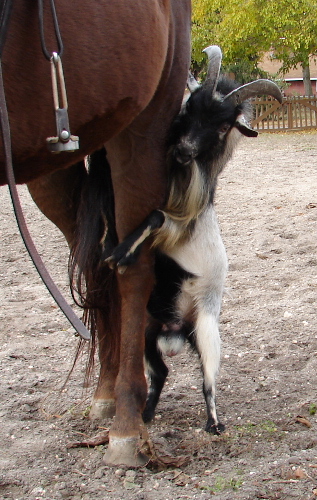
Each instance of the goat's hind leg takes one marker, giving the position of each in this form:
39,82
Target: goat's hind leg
208,346
157,370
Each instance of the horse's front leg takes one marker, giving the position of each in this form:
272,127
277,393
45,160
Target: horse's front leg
135,287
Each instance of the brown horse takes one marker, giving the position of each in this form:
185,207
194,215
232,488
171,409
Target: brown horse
125,66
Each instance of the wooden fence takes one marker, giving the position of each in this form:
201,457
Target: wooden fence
295,113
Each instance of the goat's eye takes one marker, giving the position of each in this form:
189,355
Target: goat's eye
224,128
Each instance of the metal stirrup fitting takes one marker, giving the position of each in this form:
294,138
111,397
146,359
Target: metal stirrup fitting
64,141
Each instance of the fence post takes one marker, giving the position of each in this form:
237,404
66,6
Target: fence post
290,115
295,113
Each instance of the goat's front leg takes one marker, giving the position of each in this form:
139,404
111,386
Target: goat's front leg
127,252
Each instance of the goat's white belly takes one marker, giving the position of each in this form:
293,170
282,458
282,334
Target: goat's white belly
204,254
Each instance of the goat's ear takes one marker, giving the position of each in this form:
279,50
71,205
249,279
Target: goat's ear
243,126
185,99
192,83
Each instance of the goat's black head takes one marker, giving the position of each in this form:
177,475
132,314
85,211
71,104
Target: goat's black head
212,114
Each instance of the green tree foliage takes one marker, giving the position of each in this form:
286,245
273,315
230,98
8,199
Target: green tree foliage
206,18
235,29
292,28
295,30
246,30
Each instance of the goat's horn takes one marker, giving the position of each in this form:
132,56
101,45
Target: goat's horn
252,89
215,57
192,83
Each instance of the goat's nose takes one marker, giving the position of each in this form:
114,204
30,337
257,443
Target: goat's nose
183,154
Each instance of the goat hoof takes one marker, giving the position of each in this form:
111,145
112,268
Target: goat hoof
102,408
124,451
110,261
148,415
121,265
215,429
121,269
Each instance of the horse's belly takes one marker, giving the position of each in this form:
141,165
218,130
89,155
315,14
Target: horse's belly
114,55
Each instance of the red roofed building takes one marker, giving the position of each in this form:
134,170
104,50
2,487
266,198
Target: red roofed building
294,77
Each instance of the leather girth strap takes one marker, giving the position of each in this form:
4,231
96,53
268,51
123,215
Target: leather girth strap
6,137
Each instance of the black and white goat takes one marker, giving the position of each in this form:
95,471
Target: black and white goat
191,262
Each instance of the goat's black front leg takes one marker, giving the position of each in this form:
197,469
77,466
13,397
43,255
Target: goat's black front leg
157,370
127,252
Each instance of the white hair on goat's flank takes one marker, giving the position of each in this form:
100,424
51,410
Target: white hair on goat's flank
204,254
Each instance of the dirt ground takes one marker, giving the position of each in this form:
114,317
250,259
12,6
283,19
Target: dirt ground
267,209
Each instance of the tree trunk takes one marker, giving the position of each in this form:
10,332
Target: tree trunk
307,81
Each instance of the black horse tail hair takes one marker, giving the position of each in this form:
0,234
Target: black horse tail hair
93,285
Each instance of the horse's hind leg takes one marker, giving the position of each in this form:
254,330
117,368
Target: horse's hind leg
103,403
57,195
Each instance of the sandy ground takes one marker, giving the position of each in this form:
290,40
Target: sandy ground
267,209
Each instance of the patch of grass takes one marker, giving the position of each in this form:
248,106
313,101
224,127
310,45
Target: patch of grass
246,429
251,429
225,483
268,426
86,411
312,408
232,483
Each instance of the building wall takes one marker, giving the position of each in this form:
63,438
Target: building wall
297,88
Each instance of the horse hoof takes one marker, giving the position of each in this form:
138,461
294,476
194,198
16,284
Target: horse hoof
102,408
124,451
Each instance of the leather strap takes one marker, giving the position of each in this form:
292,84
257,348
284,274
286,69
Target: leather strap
44,274
46,53
5,12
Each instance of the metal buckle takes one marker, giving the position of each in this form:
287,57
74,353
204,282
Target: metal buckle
64,141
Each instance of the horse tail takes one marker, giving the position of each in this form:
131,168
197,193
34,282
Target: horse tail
94,286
